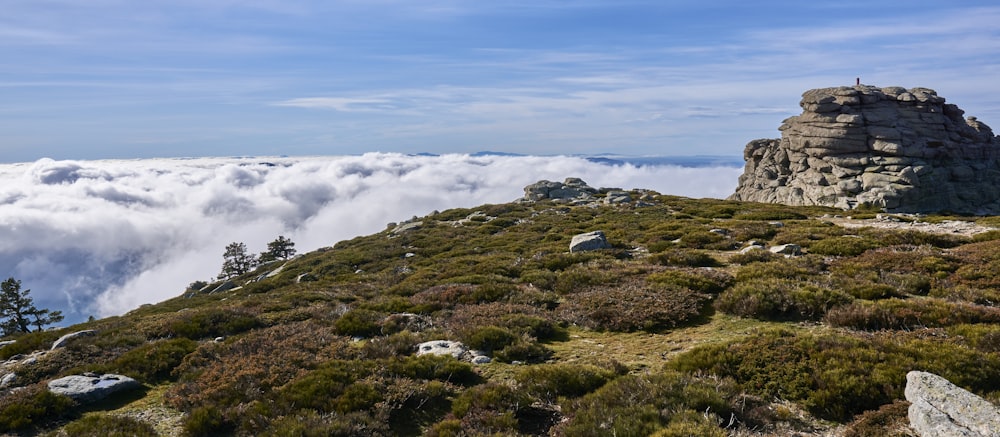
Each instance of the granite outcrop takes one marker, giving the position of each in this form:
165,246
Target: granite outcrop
901,150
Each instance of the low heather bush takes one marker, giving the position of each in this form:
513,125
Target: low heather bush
909,314
780,299
31,407
632,306
836,377
104,425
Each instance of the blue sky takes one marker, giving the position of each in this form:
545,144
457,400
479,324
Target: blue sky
167,78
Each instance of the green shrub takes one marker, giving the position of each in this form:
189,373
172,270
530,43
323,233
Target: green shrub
33,406
489,338
909,314
548,382
437,367
633,306
212,322
780,299
155,361
691,423
489,397
802,267
842,246
833,376
699,280
645,404
890,420
685,258
204,421
109,426
753,256
525,351
359,323
29,342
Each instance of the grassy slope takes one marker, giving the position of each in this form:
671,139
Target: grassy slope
639,339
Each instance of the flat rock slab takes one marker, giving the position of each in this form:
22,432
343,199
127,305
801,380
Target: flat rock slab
87,388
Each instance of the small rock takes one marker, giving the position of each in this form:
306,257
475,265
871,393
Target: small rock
481,359
787,249
589,241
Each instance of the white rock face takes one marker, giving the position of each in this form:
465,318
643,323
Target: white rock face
90,388
939,408
902,150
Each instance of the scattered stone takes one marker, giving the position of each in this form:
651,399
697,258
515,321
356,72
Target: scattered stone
751,248
481,359
6,342
225,286
787,249
442,347
89,387
66,338
220,339
941,409
617,197
7,380
589,241
305,277
902,151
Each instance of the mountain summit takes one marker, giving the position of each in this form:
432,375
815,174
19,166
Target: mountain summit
904,150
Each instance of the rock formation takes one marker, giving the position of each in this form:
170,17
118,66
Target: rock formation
573,189
897,149
938,408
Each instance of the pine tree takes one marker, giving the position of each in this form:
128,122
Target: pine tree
280,248
236,261
18,310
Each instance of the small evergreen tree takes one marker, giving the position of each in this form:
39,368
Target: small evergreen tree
236,261
18,310
280,248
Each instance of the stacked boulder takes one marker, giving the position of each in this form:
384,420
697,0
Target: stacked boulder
897,149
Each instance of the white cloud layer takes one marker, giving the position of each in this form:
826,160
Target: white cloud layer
103,237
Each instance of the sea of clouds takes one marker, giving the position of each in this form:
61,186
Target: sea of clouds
103,237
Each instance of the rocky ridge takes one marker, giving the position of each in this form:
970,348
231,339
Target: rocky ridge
902,150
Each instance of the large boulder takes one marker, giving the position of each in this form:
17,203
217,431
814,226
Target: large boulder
90,387
897,149
589,241
939,408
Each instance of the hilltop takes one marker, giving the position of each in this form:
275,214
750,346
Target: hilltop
699,317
